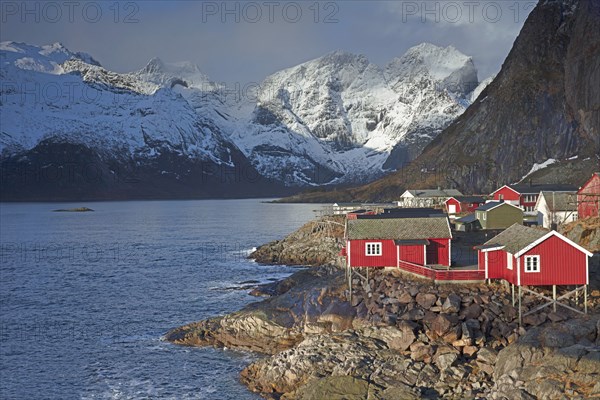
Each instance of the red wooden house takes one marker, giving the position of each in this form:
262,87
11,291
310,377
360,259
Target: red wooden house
534,257
463,204
388,242
588,197
526,195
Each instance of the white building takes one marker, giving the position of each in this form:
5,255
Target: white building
426,197
556,207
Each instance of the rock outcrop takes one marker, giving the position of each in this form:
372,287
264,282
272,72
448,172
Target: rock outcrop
554,362
586,232
402,337
312,303
405,337
316,243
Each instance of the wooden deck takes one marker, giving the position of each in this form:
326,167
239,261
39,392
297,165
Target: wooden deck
444,275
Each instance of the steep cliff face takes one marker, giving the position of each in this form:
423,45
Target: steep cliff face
544,104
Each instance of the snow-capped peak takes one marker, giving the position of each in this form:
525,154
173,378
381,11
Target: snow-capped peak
451,69
441,62
184,73
48,58
350,120
335,119
155,65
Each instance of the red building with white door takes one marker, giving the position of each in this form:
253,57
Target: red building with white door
588,197
463,204
534,257
388,242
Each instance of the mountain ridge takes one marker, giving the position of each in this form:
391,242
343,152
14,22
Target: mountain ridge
334,119
544,104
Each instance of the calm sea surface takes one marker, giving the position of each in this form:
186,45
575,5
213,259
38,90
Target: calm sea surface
86,297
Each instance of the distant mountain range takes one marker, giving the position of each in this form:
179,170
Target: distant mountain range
539,119
72,129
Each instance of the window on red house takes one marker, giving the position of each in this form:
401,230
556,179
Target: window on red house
373,249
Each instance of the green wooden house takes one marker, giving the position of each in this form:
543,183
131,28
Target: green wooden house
498,215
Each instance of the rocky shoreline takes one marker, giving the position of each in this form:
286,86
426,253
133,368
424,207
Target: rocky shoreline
405,338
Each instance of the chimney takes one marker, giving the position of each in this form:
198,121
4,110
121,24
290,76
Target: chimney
530,183
553,226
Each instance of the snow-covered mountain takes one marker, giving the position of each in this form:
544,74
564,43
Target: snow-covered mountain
336,119
54,94
53,97
340,118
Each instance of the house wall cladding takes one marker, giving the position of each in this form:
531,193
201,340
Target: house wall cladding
560,264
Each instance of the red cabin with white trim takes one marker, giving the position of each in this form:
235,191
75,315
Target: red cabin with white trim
388,242
534,257
525,195
463,204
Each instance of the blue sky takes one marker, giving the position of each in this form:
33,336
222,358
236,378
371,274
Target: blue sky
245,41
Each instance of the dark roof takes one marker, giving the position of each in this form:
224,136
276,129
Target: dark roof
362,210
426,193
412,242
516,238
470,199
467,219
407,213
399,228
526,188
488,206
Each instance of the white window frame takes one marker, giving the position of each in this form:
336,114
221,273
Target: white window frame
509,261
373,249
484,216
527,262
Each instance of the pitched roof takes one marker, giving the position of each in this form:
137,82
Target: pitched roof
560,201
467,219
407,213
399,228
493,204
516,238
526,188
435,192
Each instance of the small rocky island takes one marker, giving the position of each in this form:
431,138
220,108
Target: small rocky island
78,209
403,338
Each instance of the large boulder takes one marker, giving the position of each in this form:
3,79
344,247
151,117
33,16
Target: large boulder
549,360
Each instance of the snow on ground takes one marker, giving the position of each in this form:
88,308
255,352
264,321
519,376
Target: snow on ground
537,167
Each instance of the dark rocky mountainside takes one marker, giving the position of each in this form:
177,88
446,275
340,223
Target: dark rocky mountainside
61,171
544,104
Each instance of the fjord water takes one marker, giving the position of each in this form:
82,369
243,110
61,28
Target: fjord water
86,297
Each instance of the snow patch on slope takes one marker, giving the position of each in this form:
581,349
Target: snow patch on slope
537,167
